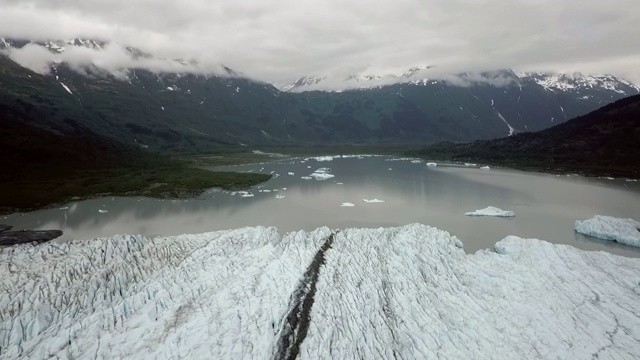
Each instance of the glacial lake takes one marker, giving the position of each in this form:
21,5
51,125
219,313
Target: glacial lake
546,205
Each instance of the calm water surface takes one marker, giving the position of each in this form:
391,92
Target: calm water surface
546,206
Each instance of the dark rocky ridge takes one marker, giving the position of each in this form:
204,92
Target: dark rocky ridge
10,237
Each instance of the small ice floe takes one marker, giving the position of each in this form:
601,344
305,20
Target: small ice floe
308,166
609,178
631,180
491,211
324,158
102,211
290,173
267,191
339,183
322,174
470,164
416,161
64,208
284,189
485,168
624,231
432,164
347,204
279,196
390,169
306,177
246,194
373,201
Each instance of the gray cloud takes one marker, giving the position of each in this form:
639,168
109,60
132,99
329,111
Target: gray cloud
279,41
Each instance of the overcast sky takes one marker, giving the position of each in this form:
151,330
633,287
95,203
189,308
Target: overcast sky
281,40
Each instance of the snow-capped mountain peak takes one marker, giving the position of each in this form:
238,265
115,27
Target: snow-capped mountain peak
556,82
55,46
578,81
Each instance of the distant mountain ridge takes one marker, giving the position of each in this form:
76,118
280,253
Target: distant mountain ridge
551,81
179,110
604,141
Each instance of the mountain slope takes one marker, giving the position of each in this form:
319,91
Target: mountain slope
604,141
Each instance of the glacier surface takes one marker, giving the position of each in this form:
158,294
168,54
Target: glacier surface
624,231
404,293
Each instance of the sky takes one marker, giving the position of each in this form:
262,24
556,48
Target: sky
280,41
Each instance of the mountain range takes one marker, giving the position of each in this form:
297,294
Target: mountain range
604,141
193,111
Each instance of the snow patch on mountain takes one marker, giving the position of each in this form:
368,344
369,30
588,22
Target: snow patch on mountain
66,88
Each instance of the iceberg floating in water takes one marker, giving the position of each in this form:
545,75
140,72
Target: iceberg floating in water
279,196
245,194
491,211
347,204
306,177
470,164
485,168
373,201
290,173
432,164
210,295
322,174
624,231
101,211
416,161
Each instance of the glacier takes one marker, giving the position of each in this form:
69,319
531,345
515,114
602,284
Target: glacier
491,211
403,292
624,231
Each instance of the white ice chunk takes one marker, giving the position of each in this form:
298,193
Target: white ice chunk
245,194
416,161
102,211
324,158
373,201
470,164
624,231
485,168
279,196
347,204
432,164
290,173
322,174
491,211
306,177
